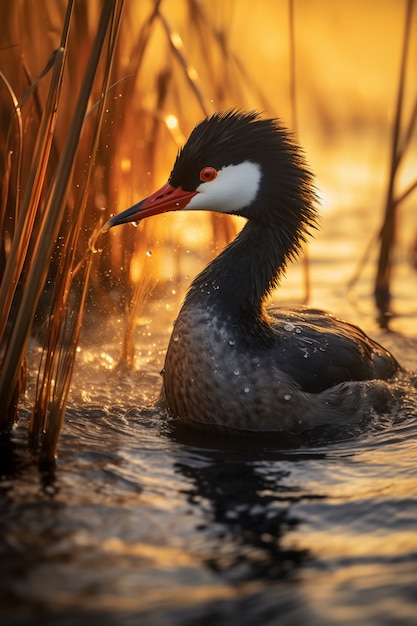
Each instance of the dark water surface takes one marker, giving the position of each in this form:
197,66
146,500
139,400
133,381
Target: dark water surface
145,524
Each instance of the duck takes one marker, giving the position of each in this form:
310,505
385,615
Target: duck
232,362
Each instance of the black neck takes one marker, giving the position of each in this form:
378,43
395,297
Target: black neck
240,278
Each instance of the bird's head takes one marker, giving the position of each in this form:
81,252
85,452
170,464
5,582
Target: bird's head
236,163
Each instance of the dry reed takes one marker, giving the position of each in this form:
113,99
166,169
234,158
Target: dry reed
37,232
399,147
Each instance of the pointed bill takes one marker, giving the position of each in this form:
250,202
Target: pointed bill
167,198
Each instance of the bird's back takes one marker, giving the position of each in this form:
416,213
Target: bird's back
319,350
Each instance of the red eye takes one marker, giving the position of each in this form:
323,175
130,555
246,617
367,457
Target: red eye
207,174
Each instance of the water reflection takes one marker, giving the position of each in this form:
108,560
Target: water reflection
166,526
242,486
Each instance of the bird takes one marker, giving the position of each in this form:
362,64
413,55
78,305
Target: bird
232,362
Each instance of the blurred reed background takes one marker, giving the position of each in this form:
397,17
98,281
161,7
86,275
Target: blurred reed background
96,98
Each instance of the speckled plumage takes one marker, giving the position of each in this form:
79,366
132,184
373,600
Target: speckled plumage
213,374
230,363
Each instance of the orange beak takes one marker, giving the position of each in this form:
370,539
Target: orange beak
167,198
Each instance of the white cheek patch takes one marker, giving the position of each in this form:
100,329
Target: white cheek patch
234,188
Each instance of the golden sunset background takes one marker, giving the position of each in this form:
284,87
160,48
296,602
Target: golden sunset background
330,70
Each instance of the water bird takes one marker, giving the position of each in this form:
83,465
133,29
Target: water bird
231,362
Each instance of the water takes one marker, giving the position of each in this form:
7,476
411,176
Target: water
143,523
